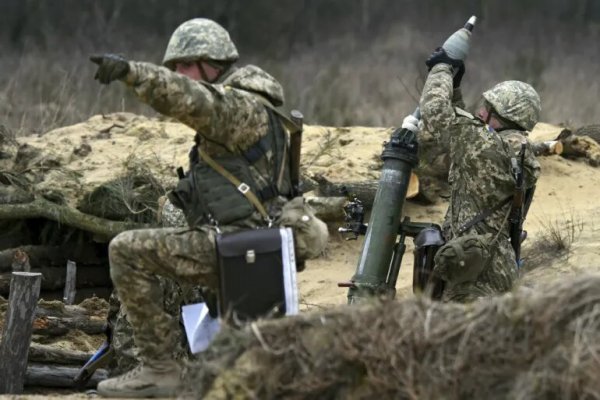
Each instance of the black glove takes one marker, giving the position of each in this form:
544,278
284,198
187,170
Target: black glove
458,75
110,67
438,56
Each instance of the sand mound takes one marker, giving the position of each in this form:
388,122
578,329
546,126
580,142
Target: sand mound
84,156
117,165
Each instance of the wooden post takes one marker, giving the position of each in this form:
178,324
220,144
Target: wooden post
18,326
69,296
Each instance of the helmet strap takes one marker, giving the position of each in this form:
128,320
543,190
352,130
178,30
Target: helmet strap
203,73
505,124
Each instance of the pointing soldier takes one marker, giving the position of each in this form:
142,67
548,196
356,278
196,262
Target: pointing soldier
233,112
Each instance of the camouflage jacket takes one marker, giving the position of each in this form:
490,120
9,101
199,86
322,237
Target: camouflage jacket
227,114
480,172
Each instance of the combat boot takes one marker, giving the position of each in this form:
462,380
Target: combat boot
150,379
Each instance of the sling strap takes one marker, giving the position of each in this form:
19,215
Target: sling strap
242,187
482,216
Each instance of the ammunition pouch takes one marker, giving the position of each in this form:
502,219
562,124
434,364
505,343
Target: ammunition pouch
462,259
255,268
310,233
427,243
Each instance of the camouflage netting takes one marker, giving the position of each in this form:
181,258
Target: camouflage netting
114,167
530,344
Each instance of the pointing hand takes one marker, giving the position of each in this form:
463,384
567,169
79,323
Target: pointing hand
110,67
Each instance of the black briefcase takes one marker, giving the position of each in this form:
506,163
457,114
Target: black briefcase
255,266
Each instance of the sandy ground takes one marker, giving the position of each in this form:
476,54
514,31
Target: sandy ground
566,197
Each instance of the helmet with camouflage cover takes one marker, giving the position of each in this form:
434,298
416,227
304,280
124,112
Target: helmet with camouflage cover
199,39
515,101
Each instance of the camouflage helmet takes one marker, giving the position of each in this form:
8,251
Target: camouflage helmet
199,39
515,101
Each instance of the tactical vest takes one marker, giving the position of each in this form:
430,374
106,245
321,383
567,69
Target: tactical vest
205,195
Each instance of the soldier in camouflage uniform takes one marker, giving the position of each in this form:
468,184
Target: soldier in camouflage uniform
231,110
479,260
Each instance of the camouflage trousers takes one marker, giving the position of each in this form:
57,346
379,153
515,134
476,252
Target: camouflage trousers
137,259
498,276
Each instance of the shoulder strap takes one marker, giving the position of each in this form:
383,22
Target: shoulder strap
285,120
463,113
241,186
482,216
291,126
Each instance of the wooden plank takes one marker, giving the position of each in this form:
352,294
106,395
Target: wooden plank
69,295
44,354
54,278
59,376
54,326
18,327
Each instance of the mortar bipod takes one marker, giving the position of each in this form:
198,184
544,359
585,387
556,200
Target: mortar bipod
427,238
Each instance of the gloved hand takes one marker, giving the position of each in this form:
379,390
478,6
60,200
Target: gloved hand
110,67
438,56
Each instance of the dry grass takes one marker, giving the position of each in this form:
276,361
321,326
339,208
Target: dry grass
530,344
559,233
342,79
328,146
555,239
562,234
133,196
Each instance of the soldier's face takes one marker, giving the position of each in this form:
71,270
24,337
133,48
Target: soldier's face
189,69
198,71
484,114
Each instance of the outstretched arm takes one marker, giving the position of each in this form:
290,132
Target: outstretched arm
231,117
437,111
220,113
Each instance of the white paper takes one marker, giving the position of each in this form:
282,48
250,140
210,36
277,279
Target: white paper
200,327
289,271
